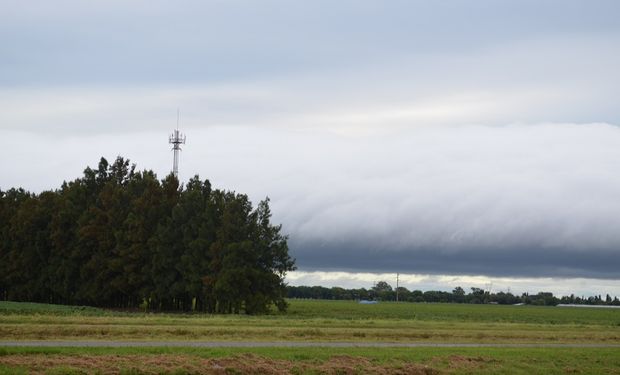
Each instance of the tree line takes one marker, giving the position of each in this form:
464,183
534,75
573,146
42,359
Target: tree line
120,238
382,291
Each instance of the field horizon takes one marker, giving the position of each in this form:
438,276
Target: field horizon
553,339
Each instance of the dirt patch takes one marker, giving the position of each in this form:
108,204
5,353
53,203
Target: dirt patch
460,362
239,364
359,365
105,364
249,364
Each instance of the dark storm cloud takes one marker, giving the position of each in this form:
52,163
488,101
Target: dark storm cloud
513,262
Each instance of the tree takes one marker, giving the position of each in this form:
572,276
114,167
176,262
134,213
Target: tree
458,294
383,291
118,238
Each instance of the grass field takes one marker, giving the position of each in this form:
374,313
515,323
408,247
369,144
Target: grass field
322,321
319,321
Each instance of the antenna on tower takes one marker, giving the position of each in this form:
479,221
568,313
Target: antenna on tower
176,139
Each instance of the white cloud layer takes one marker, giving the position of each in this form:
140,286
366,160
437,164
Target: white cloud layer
520,200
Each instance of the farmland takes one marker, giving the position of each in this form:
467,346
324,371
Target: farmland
322,322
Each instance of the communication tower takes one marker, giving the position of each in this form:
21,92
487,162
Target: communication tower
176,139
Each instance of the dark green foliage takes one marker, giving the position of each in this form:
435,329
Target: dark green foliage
121,238
383,291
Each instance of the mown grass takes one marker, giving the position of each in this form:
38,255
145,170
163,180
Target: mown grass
386,331
321,321
431,360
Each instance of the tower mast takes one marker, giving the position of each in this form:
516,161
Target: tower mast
176,139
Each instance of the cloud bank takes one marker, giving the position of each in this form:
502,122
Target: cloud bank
518,200
414,137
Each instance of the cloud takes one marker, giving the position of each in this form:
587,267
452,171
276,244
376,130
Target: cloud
65,111
208,42
557,286
554,79
443,138
519,200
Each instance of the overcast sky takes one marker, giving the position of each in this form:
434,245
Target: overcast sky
455,142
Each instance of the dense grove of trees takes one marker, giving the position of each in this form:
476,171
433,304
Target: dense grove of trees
382,291
121,238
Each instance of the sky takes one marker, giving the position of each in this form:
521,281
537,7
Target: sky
456,143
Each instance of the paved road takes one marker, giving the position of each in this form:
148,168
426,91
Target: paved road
286,344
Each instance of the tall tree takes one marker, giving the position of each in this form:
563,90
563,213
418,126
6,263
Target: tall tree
118,238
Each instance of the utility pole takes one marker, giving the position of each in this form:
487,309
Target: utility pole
176,139
397,287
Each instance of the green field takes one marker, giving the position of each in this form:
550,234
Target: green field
351,310
320,321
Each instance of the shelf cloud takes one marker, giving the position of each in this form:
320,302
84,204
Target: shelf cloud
519,200
415,137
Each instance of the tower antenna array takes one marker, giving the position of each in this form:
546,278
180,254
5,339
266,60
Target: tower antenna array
176,139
